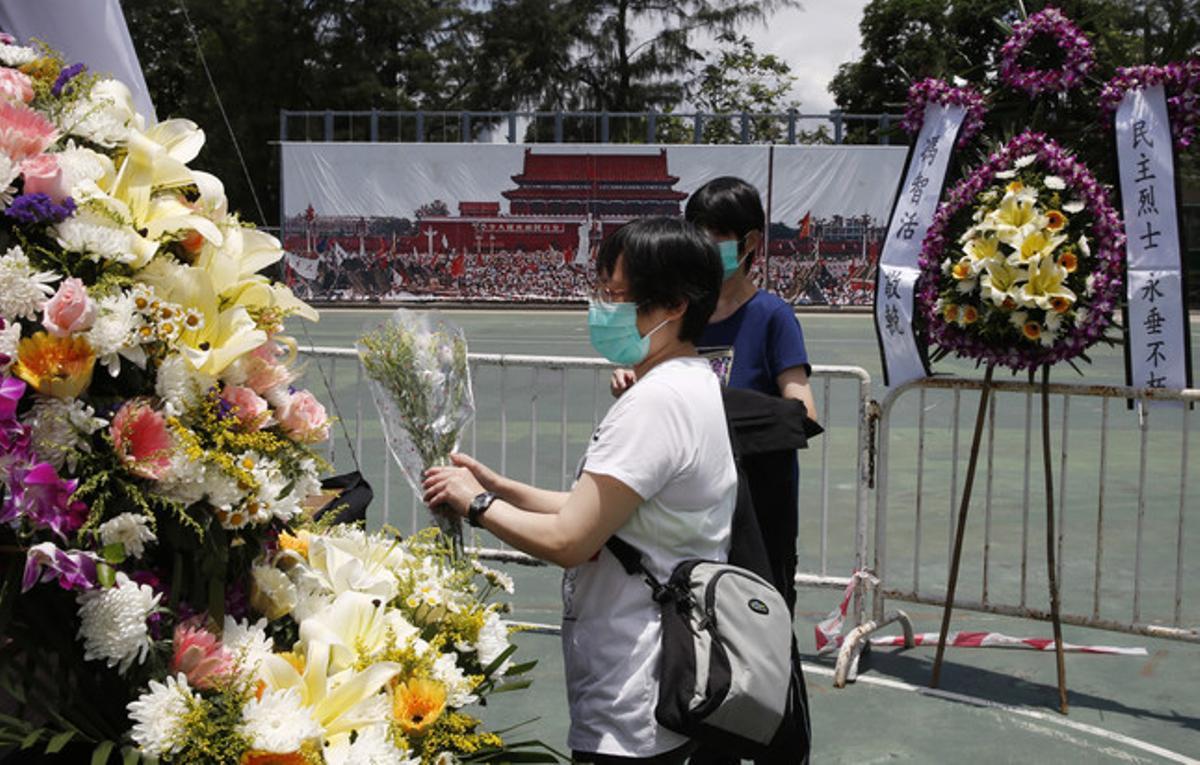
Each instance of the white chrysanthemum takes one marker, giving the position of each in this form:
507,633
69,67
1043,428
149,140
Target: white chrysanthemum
158,726
1005,174
112,622
9,171
82,168
96,236
247,641
493,641
106,116
1024,161
23,290
114,333
278,722
446,758
1081,315
185,480
61,429
1054,183
131,530
1073,207
458,686
495,578
222,489
16,55
180,386
10,335
372,746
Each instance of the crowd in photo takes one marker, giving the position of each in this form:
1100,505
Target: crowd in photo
543,275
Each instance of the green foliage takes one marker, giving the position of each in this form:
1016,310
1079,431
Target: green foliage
739,79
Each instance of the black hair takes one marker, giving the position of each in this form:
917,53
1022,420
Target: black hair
667,261
728,205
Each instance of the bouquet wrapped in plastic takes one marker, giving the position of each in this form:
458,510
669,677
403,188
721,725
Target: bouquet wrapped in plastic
416,364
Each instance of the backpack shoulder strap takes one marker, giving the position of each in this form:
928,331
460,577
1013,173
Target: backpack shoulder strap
627,555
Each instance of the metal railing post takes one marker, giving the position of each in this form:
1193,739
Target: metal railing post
328,125
283,125
745,131
791,130
603,127
698,132
420,127
651,126
512,127
558,127
374,125
836,116
885,127
464,128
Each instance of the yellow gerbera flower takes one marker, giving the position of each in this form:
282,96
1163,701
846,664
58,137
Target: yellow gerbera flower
417,704
1055,220
1032,330
55,366
970,314
1068,261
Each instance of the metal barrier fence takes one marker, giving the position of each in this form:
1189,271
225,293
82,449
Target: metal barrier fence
535,414
1125,550
375,125
1122,542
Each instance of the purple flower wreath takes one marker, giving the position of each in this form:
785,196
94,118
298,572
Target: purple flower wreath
934,91
1077,52
977,328
1182,84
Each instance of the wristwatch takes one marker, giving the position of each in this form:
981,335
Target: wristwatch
478,507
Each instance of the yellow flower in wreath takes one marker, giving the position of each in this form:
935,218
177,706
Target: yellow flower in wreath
417,704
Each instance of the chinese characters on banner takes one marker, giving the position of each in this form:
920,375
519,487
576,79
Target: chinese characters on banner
1156,328
912,212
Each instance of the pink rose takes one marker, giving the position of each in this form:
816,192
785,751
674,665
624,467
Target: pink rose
303,418
15,85
43,175
70,310
248,406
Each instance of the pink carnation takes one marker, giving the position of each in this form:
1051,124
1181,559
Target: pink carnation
70,310
43,175
248,406
23,132
15,85
303,418
141,439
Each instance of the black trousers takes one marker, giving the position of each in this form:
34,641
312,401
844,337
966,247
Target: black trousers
674,757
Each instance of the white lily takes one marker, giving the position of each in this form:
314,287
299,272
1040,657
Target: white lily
1045,287
1000,283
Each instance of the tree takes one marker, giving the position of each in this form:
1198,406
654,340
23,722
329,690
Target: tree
737,79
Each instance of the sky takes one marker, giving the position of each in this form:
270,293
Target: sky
814,40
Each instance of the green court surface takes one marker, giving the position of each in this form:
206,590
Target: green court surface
995,705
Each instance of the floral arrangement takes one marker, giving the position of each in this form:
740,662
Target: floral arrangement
416,365
1078,56
1182,83
156,451
1022,264
386,643
934,91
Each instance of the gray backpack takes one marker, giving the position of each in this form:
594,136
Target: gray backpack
724,673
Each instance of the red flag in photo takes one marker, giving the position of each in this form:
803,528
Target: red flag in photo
806,225
459,266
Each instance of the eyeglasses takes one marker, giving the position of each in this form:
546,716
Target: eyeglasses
607,295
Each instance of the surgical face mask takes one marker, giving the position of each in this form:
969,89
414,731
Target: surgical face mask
613,330
730,260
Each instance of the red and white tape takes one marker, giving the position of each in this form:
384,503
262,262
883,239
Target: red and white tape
829,634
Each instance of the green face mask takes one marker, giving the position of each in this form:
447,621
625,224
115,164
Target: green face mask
730,260
612,328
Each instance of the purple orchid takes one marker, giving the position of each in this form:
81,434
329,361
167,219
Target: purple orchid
72,569
935,91
1078,55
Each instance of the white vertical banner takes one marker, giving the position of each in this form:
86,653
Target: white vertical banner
916,201
92,32
1157,342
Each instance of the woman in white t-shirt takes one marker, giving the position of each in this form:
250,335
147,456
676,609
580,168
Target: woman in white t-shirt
658,472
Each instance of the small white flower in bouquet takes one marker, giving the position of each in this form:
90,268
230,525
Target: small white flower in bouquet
416,364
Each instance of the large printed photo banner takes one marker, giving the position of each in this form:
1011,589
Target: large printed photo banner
904,357
1157,347
486,222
